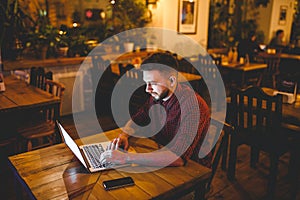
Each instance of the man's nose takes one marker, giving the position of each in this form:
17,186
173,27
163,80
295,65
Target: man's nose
148,88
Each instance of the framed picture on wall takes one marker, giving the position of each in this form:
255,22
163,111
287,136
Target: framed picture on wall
282,15
187,16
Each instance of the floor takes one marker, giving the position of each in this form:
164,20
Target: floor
250,184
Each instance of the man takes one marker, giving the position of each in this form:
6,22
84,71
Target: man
248,47
277,41
177,116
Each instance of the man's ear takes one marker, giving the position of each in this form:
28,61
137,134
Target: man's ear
172,80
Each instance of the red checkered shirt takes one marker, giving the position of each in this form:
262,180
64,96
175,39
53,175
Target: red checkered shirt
184,119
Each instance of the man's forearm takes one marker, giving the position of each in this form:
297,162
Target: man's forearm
161,158
128,129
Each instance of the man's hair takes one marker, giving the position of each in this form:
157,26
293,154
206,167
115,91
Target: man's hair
159,61
278,32
251,34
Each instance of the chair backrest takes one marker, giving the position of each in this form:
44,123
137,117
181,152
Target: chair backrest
132,78
216,59
38,77
272,61
253,109
207,67
218,150
42,132
188,65
99,63
133,74
100,72
55,88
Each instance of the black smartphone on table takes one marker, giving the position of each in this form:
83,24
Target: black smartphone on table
117,183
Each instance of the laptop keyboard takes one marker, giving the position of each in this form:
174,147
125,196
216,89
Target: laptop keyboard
93,153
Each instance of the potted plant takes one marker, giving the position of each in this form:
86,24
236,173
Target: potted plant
78,46
13,28
42,37
63,44
126,15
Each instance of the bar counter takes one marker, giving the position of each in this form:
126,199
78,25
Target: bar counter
52,62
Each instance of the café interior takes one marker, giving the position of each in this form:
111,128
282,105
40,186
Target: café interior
62,60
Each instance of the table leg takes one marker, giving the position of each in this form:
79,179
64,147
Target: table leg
232,159
200,192
243,79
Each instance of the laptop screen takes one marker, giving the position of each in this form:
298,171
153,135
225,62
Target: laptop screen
71,144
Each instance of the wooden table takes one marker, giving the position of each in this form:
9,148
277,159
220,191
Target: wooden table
238,70
289,65
54,173
244,67
289,56
20,95
184,76
290,112
51,62
18,99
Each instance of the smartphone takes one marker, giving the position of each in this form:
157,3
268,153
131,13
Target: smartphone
117,183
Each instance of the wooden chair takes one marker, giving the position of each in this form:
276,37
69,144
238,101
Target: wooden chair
272,71
42,132
133,78
208,68
219,133
38,77
103,81
256,117
221,146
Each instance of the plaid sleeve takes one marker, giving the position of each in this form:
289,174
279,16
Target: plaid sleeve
192,130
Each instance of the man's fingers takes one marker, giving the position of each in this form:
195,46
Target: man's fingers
117,143
105,157
126,146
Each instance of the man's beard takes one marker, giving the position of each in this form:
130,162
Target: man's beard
162,95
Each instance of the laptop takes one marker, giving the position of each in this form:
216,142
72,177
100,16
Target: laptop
289,93
88,154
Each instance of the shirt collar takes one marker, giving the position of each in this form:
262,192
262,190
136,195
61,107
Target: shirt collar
165,101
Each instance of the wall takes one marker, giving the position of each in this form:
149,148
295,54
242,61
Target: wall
275,18
264,20
165,14
269,19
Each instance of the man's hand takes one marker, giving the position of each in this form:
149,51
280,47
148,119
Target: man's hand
113,157
120,142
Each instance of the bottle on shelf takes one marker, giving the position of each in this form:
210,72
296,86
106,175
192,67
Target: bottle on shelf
242,60
230,55
247,61
235,56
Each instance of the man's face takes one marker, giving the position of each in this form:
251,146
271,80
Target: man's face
157,85
281,35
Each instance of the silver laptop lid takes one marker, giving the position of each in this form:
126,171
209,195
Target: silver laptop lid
71,144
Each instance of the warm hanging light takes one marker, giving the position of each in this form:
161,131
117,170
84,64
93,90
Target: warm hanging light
102,15
75,24
112,2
